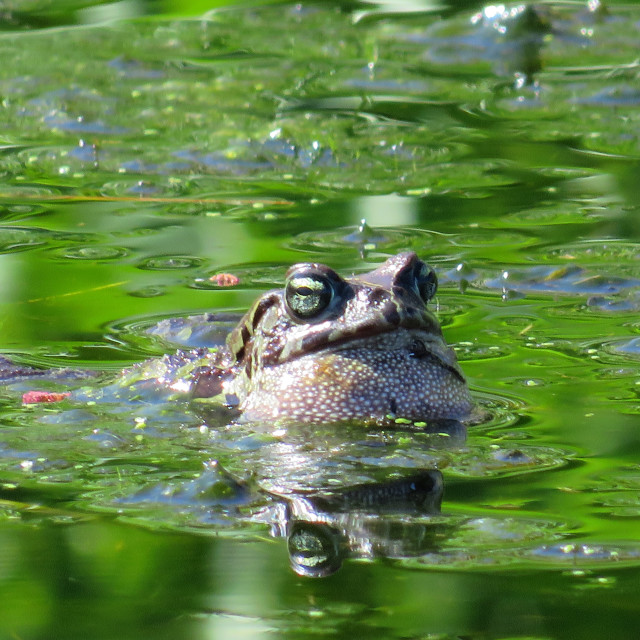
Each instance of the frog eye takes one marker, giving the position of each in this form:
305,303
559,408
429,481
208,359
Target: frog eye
308,293
426,281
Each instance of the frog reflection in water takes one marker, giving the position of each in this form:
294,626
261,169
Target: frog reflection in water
324,349
331,349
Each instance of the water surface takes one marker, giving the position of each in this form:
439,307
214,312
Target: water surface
144,155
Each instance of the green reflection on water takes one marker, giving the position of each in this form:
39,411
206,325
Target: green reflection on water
107,580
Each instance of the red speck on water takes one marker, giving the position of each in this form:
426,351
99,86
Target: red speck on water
225,279
31,397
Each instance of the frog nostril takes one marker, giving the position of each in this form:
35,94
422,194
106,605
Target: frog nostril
417,349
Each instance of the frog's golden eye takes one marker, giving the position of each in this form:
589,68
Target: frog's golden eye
308,293
426,281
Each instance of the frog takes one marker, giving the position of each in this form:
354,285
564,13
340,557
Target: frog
330,349
324,349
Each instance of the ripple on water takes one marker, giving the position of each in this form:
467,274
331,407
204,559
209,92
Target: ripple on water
92,252
170,263
612,97
616,495
580,555
478,351
23,194
587,349
620,504
608,305
206,330
364,237
564,279
559,212
144,333
491,542
576,556
625,347
151,186
604,252
150,291
207,497
63,160
483,460
14,239
504,239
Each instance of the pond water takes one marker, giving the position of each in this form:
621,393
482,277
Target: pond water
147,150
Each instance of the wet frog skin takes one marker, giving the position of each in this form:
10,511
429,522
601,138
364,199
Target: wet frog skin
329,349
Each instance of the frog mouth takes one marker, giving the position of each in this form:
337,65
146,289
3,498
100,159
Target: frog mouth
418,344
